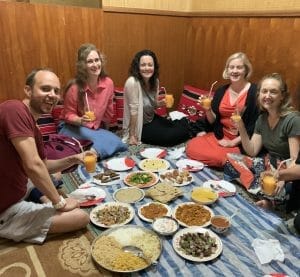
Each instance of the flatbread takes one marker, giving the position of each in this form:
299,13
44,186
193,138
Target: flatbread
164,192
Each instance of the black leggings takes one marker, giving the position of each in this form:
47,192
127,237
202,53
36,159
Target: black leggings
164,132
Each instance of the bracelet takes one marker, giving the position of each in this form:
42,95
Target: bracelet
62,202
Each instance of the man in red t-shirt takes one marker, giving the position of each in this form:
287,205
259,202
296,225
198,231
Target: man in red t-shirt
23,161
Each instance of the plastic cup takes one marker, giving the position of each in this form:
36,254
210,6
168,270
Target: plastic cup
169,100
206,102
90,115
269,184
236,117
90,162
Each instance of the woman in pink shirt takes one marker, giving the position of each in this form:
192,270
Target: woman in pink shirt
88,103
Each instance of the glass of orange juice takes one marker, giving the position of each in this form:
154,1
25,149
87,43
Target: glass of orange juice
205,101
169,100
236,117
90,114
90,161
268,183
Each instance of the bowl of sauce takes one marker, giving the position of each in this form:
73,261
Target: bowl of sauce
220,224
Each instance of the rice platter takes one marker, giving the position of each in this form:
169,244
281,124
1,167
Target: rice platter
129,195
107,248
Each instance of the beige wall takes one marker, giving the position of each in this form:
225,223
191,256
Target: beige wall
215,6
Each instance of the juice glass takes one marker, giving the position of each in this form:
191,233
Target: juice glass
205,101
236,117
268,182
169,100
90,115
90,162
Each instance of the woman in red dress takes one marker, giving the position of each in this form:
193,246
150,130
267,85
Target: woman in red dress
239,95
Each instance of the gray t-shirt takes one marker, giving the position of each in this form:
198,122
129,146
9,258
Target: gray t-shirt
276,140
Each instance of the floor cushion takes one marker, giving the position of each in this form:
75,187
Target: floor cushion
189,104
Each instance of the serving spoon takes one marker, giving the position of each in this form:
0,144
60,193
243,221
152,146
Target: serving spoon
138,252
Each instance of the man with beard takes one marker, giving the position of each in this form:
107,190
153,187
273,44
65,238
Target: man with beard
23,164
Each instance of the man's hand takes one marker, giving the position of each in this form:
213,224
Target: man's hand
70,205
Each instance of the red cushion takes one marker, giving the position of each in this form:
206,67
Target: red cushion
56,113
188,102
119,100
46,125
162,111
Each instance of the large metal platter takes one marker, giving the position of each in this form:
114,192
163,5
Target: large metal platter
128,231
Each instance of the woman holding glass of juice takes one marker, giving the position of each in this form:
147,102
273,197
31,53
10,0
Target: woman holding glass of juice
88,103
220,135
141,90
277,130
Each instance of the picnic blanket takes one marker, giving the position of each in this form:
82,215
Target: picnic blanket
238,257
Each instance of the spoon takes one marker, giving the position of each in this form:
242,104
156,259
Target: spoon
137,252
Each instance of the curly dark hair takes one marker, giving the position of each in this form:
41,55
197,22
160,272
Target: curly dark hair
134,69
286,103
81,75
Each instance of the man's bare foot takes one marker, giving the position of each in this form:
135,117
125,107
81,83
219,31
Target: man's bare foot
265,204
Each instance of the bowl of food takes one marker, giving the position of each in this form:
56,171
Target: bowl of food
165,225
204,196
220,224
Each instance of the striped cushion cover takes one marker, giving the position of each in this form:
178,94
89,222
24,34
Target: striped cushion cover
46,125
188,102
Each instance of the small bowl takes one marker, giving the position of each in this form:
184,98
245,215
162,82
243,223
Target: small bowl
204,196
220,224
165,225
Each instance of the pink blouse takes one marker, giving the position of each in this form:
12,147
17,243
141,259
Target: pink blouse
101,102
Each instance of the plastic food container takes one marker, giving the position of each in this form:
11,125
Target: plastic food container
165,225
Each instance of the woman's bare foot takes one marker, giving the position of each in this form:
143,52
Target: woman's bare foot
265,204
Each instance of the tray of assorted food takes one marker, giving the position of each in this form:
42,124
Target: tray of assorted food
197,244
192,214
107,249
177,177
112,214
148,212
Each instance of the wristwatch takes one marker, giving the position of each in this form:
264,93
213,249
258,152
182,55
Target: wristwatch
62,202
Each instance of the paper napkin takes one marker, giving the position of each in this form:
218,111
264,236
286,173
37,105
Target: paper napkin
268,250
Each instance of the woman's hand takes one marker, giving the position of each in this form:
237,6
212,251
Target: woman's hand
279,186
226,143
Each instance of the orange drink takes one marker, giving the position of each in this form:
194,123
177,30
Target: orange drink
206,102
90,162
91,115
169,100
236,117
269,184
